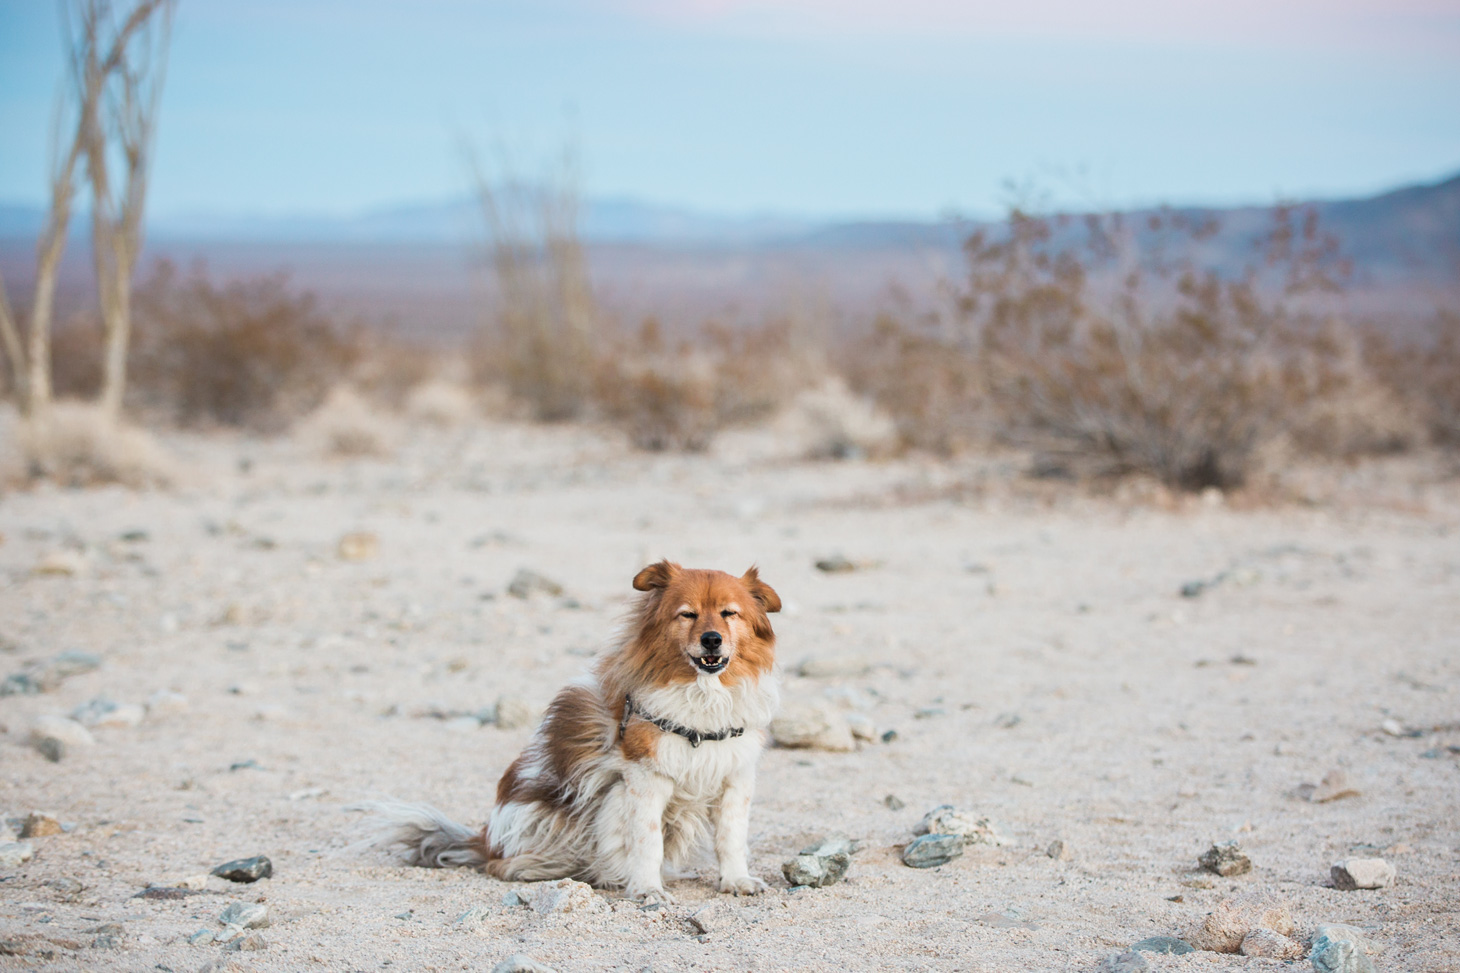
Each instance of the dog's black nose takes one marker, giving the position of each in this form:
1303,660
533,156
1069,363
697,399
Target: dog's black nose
711,641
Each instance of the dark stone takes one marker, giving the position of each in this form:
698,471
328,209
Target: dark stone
51,748
245,869
163,893
932,850
1226,859
1126,962
1164,944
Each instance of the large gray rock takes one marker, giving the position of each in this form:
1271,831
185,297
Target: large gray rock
949,820
1340,949
1362,873
816,871
932,850
245,915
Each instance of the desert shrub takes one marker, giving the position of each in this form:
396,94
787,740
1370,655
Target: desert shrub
439,402
78,444
830,421
245,353
345,425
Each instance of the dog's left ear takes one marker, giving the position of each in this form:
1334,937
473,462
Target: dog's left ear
763,593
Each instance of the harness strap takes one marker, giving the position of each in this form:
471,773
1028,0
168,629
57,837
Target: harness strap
695,737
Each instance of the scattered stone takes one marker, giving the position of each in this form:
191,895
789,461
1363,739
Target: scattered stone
1362,873
165,893
1004,920
889,735
521,963
1392,727
945,819
164,702
1223,929
104,712
16,853
526,583
512,713
360,545
245,869
1129,961
1169,945
54,736
1266,944
513,899
894,802
817,870
474,919
564,895
67,886
1335,787
1059,850
840,665
862,727
251,943
711,918
39,825
1339,948
42,677
1007,721
202,937
1226,859
929,712
836,564
59,564
813,726
932,850
7,833
245,915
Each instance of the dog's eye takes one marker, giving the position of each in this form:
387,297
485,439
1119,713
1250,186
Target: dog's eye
689,615
727,613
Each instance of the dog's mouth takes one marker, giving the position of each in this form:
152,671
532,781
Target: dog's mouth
711,663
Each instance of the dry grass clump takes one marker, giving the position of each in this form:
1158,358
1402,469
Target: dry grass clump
246,353
1425,376
78,444
830,421
346,426
439,402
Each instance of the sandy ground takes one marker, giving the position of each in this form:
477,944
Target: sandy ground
1031,649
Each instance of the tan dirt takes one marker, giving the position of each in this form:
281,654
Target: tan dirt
1030,648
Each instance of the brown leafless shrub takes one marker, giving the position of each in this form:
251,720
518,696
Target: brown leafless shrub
79,444
246,353
346,426
1425,375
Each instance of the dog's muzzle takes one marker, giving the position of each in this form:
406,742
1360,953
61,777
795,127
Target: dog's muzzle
712,656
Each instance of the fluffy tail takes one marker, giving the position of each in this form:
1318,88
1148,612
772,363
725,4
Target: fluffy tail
421,835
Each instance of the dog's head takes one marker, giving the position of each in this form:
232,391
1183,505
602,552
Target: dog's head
696,621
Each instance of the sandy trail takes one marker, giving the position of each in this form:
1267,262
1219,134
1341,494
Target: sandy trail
1034,657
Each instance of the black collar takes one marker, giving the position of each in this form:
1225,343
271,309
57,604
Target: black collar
695,737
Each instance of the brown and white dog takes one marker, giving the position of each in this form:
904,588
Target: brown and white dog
639,763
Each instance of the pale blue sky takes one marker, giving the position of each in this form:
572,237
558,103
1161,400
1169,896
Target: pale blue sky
817,107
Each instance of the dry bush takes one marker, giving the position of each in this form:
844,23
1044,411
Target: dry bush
78,444
248,353
346,426
439,402
830,421
1425,375
932,389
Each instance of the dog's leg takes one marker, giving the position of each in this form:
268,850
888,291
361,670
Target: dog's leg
732,828
640,833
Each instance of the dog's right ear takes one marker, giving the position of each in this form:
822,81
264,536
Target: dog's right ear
656,576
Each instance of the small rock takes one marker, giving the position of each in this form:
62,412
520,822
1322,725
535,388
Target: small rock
862,727
1362,873
1266,944
812,726
1339,948
166,703
1164,944
1059,850
251,943
1226,859
53,736
840,665
38,825
245,869
474,919
202,937
932,850
513,899
104,712
894,802
889,735
59,564
245,915
1223,929
7,833
1007,721
526,583
16,853
521,963
1392,727
513,713
709,919
165,893
1335,787
67,886
945,819
360,545
816,871
1005,920
564,895
836,564
1129,961
109,936
193,883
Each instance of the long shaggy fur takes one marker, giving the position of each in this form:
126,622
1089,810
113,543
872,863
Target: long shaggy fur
613,801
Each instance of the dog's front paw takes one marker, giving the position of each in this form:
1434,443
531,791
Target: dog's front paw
742,885
651,896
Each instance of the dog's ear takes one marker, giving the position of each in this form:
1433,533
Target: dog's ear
656,576
763,593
